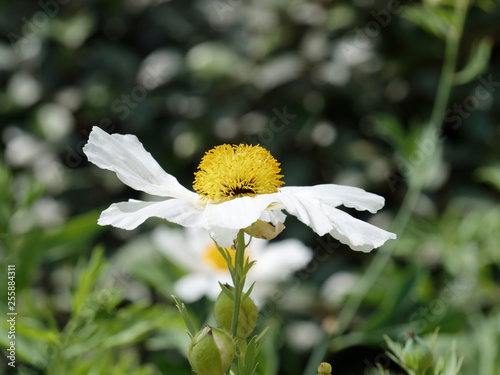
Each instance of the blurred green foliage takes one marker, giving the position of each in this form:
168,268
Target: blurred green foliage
338,92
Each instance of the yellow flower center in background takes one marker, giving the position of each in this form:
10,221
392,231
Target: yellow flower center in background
213,257
232,171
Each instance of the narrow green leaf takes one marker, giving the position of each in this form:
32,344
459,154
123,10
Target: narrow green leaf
435,20
477,63
486,5
490,175
227,257
249,291
247,364
87,280
185,316
261,335
228,292
248,265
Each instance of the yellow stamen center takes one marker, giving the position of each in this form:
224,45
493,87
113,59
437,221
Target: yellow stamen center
232,171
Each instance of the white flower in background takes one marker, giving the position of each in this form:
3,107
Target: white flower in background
303,335
194,251
337,286
236,186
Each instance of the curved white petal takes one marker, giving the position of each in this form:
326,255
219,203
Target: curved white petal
194,286
128,215
336,195
173,244
307,208
197,239
223,236
278,260
273,216
134,166
357,234
240,212
213,292
315,207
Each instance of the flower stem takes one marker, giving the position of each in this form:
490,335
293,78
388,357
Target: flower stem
415,187
238,279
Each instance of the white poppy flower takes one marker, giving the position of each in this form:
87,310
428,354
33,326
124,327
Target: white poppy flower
236,186
194,251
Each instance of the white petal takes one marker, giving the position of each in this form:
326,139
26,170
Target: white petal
197,239
337,286
194,286
172,243
315,207
238,213
223,236
128,215
278,260
262,291
306,208
213,292
220,277
273,216
134,166
355,233
336,195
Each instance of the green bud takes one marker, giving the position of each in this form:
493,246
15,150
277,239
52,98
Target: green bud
211,351
247,319
324,368
417,354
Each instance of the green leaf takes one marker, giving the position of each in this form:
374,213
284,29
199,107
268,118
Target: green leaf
72,237
87,280
249,291
185,316
395,301
227,257
248,265
228,292
261,335
133,323
381,370
393,131
477,63
435,20
396,351
490,175
486,5
247,364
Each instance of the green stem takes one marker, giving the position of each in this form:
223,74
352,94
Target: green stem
415,187
450,62
239,280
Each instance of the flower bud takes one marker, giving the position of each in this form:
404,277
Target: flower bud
247,319
324,368
417,354
211,351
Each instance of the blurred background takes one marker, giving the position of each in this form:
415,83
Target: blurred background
339,91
